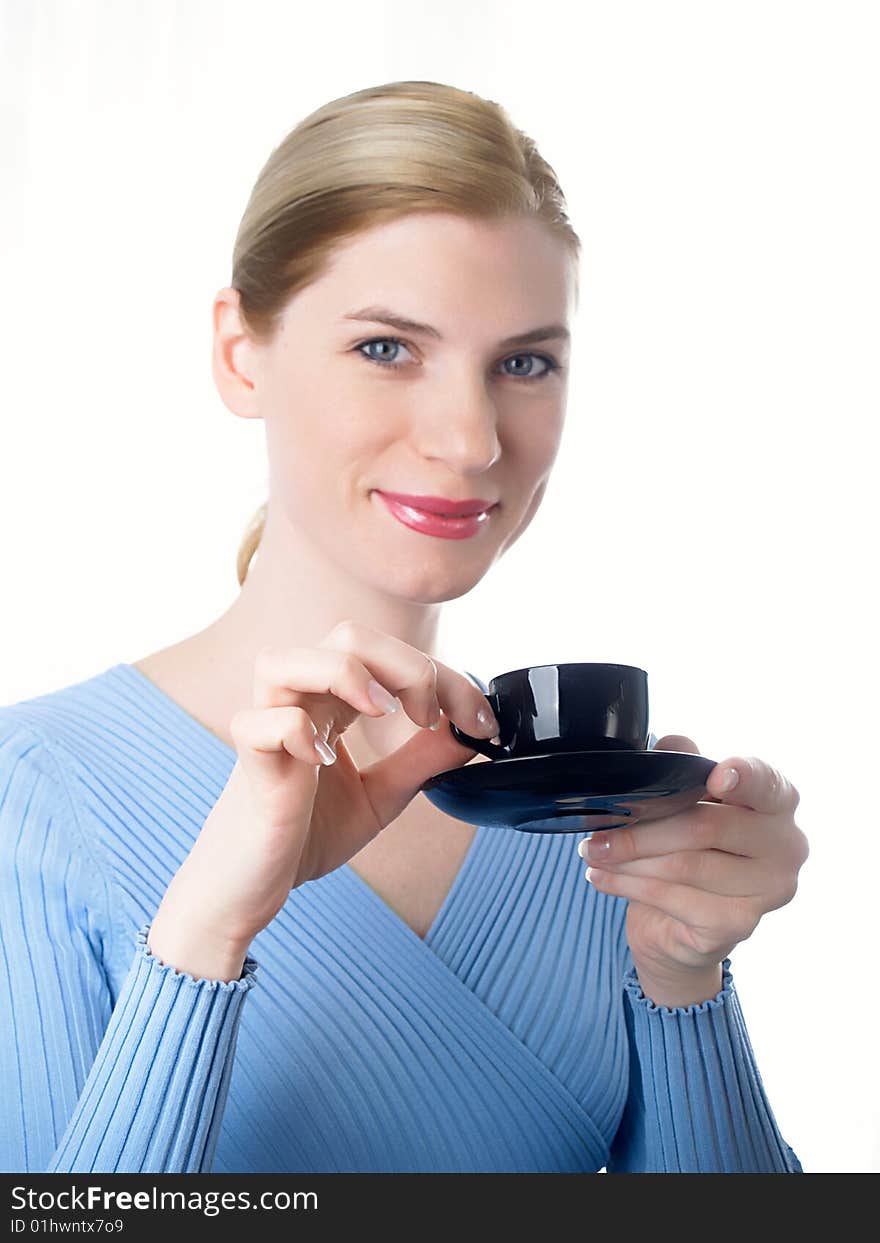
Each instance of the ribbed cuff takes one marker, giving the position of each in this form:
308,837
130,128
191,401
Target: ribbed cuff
697,1103
246,980
634,989
154,1097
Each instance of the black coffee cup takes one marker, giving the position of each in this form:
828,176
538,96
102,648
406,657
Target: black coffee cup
545,709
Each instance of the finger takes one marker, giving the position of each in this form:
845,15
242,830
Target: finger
714,871
269,741
296,675
706,826
759,786
727,918
424,685
351,664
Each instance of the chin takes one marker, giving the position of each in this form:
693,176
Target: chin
424,583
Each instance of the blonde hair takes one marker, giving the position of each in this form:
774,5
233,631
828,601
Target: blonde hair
368,158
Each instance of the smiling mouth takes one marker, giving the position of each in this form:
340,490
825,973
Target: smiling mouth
443,507
431,523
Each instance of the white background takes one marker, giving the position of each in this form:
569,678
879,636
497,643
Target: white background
709,516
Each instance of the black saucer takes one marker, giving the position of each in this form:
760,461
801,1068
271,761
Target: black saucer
571,791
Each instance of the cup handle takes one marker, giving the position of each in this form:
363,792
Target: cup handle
490,749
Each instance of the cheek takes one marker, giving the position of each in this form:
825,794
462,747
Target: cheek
293,446
531,450
531,444
321,463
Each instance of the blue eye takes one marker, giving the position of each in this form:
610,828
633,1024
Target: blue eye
385,362
550,364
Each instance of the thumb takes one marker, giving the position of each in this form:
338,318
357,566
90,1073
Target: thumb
680,742
677,742
392,782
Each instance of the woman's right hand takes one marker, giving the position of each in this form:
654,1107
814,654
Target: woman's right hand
285,816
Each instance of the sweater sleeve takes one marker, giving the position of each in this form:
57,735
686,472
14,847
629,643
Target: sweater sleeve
139,1086
696,1102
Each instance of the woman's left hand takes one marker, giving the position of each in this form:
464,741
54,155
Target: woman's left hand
699,882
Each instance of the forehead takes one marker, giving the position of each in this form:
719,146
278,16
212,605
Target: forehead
443,233
429,263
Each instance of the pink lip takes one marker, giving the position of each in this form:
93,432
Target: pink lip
441,504
428,523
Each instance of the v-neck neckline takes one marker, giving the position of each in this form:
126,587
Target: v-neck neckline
458,882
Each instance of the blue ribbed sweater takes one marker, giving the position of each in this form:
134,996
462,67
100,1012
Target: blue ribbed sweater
514,1037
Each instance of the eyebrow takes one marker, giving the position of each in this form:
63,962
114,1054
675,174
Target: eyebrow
382,315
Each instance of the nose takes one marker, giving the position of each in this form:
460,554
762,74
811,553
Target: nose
459,427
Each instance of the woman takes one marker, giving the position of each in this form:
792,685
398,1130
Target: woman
236,935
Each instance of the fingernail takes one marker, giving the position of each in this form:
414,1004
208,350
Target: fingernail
594,848
729,778
327,754
437,714
381,697
487,722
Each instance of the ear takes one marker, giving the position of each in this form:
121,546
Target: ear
234,357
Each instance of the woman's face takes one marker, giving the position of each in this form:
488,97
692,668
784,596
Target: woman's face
460,415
